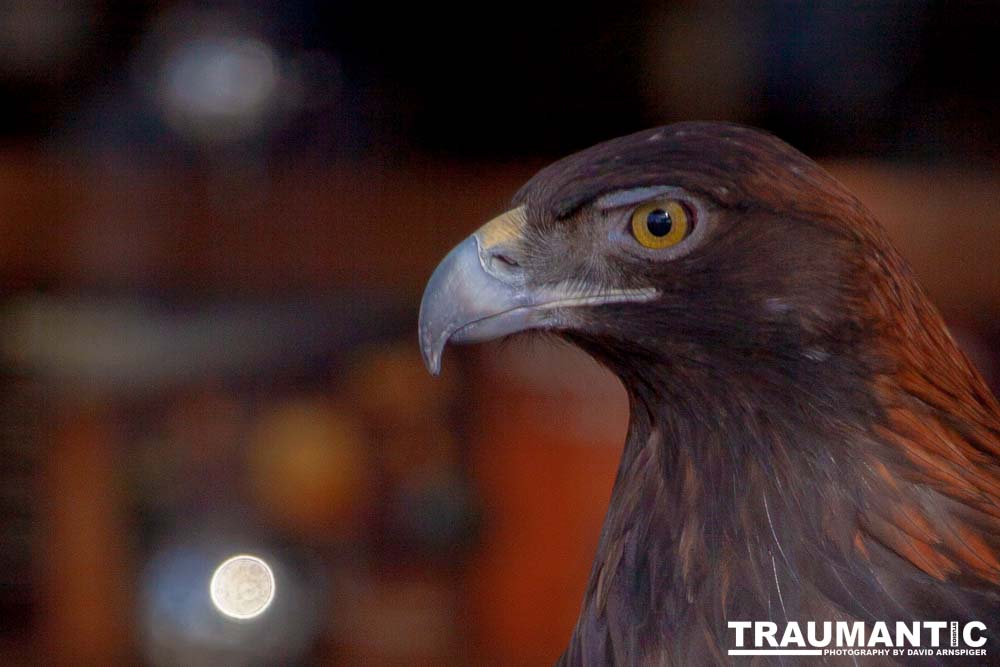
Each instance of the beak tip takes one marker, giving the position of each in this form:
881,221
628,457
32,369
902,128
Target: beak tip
433,363
430,352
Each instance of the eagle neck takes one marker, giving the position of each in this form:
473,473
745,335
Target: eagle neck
716,493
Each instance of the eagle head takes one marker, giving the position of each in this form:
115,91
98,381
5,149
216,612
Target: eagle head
695,248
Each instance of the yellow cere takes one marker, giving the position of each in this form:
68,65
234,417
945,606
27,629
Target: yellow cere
503,228
657,231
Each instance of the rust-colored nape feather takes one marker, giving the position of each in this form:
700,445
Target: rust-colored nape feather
942,430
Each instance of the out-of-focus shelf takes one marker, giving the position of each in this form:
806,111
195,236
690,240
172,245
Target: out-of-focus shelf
121,227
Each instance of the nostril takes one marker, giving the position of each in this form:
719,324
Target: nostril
507,259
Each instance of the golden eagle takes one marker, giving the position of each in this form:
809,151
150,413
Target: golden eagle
806,442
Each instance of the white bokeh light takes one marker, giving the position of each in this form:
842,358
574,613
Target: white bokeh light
217,87
221,76
242,587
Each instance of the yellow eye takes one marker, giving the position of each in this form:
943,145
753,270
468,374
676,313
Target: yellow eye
660,224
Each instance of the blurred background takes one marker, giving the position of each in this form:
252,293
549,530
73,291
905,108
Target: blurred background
216,220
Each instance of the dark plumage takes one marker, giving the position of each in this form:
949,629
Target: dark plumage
806,441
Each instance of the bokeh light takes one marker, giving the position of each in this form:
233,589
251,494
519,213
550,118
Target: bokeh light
242,587
219,88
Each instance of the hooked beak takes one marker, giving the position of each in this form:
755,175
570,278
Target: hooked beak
478,292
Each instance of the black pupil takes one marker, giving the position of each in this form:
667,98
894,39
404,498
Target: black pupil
658,222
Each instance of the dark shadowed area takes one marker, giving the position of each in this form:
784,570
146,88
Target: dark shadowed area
217,222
